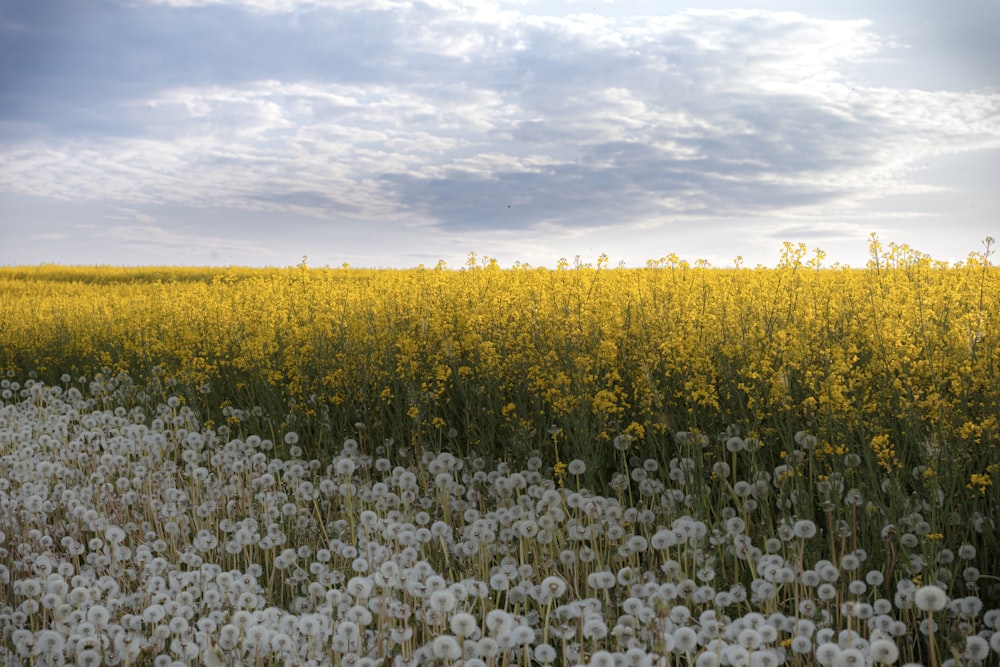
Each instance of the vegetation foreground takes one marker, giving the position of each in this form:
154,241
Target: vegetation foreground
669,466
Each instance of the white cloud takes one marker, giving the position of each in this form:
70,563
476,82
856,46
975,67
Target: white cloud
132,215
284,6
165,241
473,117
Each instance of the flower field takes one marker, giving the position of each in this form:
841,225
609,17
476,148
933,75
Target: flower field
673,465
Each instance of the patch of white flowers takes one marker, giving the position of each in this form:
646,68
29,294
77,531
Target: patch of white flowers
129,538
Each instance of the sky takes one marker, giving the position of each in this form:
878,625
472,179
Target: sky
395,133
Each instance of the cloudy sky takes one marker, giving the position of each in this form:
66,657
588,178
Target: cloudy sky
401,132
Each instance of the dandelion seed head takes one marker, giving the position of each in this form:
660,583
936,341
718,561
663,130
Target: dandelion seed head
850,657
595,629
463,624
685,640
544,654
359,587
49,642
804,529
930,598
708,659
827,654
446,647
735,444
850,562
801,645
976,648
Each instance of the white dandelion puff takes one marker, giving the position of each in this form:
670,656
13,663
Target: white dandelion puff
976,648
554,586
930,598
464,624
446,647
685,640
827,654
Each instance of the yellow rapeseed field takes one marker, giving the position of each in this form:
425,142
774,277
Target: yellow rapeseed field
898,362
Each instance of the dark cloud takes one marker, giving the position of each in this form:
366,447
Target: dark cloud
301,199
753,155
623,181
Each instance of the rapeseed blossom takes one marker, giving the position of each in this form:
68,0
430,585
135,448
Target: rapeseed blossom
600,356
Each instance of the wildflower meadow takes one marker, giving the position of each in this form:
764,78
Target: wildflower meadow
675,465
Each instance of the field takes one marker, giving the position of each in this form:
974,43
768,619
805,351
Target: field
673,465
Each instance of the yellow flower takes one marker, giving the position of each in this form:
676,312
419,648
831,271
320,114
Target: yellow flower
559,472
979,482
885,453
635,430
